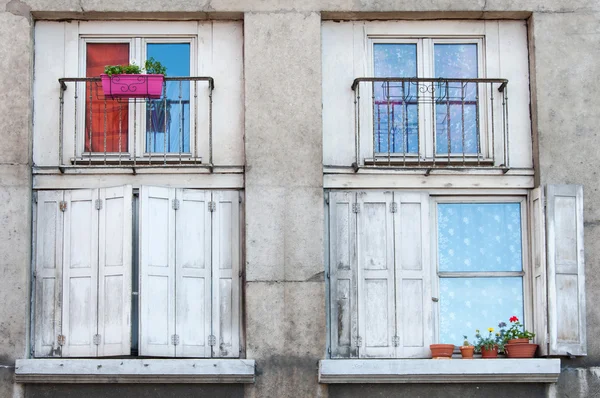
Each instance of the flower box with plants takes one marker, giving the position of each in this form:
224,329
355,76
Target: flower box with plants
490,345
130,81
516,340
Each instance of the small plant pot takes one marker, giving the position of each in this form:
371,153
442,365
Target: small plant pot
492,353
518,341
441,350
467,351
520,350
132,86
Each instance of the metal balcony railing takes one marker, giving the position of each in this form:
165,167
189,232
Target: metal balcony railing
95,131
431,123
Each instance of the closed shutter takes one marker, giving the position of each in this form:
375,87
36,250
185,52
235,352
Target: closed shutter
114,270
375,231
538,257
225,273
566,270
193,273
48,273
343,275
414,325
157,271
80,274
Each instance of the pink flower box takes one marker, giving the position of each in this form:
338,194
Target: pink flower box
132,86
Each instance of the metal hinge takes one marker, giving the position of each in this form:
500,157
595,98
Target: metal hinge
355,208
395,341
329,350
212,340
359,341
35,196
394,207
175,204
98,204
175,339
62,205
61,339
97,339
212,206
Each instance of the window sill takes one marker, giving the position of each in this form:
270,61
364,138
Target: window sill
134,371
501,370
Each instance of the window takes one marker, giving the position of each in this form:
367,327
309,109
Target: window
86,262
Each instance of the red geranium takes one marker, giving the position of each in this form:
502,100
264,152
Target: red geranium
514,319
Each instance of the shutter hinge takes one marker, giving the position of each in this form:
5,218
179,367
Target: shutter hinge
98,204
61,339
175,204
355,208
175,339
212,206
34,274
35,196
394,207
62,205
395,341
328,275
97,339
329,350
359,341
212,340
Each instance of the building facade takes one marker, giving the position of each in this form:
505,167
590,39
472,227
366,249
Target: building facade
320,191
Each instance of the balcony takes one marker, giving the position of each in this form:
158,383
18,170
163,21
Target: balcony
98,132
431,123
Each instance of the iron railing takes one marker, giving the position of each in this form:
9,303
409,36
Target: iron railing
431,123
96,131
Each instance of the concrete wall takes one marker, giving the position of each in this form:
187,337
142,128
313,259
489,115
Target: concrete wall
285,289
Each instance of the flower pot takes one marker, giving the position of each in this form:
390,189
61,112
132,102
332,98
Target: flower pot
491,353
467,351
518,341
520,350
132,86
441,350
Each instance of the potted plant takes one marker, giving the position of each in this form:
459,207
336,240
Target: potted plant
127,81
467,349
517,339
490,345
441,350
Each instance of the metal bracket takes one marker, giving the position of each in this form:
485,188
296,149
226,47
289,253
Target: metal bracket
175,339
175,204
359,341
355,208
61,339
63,205
212,206
394,207
395,341
212,340
97,339
98,204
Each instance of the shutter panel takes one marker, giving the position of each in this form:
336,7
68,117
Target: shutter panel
376,275
48,273
566,270
538,256
414,323
114,271
343,275
80,274
225,269
157,271
193,273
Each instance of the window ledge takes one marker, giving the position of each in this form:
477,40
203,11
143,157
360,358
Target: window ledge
134,371
439,371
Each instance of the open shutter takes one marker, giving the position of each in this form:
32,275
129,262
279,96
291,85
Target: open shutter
157,271
114,271
225,272
376,275
538,257
343,275
80,274
193,273
48,273
566,270
413,281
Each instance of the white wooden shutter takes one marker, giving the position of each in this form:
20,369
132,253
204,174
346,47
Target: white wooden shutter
193,273
414,321
538,257
343,275
566,270
114,271
157,271
48,273
80,273
225,273
375,232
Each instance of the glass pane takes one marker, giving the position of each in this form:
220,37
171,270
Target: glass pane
106,121
467,304
456,103
395,111
168,119
479,237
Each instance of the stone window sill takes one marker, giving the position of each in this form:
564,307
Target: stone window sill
501,370
134,371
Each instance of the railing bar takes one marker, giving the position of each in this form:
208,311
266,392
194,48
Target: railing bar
105,131
506,138
134,132
165,125
403,122
433,121
75,129
448,120
195,121
149,134
375,136
388,124
120,131
180,123
477,127
462,122
406,122
210,127
60,125
493,122
393,137
90,127
357,124
427,80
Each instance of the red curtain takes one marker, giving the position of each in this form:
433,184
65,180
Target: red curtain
108,117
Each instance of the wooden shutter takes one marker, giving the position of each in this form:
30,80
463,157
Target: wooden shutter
538,258
566,270
414,323
375,231
48,273
80,273
225,273
343,275
193,273
114,271
157,271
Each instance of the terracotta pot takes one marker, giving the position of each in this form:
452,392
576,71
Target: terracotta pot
493,353
520,350
467,351
441,350
518,341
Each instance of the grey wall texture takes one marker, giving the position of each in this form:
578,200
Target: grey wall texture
284,294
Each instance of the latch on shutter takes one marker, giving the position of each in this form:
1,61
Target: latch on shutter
355,208
61,339
395,341
212,206
175,204
394,207
212,340
98,204
63,205
97,339
175,339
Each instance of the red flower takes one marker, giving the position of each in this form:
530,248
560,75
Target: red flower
514,319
